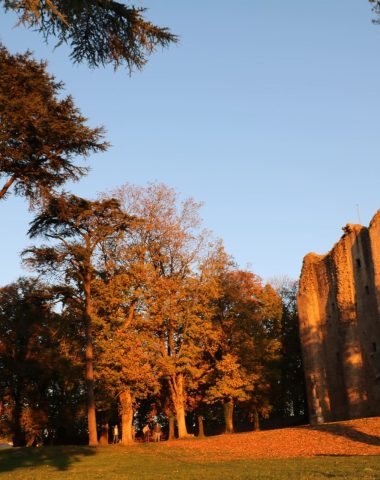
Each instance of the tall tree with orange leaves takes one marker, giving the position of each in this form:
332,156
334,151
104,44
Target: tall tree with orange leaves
248,317
175,302
125,365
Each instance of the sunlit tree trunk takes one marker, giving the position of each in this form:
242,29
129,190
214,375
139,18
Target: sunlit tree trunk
178,397
181,419
171,427
256,421
126,405
201,431
170,415
91,413
229,416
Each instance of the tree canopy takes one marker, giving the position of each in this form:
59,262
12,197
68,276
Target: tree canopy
248,316
79,227
175,300
41,392
165,325
41,134
376,8
99,32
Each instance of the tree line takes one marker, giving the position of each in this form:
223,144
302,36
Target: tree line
134,304
142,315
136,312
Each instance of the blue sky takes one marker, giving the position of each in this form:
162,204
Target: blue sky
267,111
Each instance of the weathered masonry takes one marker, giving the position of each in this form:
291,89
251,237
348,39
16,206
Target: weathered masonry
339,311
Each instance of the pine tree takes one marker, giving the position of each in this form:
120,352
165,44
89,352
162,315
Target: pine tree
79,227
40,133
98,31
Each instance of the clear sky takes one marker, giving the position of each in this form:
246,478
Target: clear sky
267,111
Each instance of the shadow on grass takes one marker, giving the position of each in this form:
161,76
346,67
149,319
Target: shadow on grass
349,432
59,457
344,455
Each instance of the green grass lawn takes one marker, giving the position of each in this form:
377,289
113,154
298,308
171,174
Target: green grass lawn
159,462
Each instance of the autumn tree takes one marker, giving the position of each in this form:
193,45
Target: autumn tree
231,384
248,316
41,133
77,227
182,322
213,265
99,32
126,366
175,300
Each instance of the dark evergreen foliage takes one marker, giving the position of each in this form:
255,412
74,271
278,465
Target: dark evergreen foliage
41,134
290,393
376,9
79,227
98,31
40,395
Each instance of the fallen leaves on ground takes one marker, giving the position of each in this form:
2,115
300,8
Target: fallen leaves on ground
354,437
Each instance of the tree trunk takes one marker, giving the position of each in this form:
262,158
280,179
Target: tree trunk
126,405
171,427
91,413
104,431
256,421
201,431
181,420
18,435
229,416
178,396
30,441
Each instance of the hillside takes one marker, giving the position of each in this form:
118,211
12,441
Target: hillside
354,437
342,451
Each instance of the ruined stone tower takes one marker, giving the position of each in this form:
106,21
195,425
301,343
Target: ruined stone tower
339,312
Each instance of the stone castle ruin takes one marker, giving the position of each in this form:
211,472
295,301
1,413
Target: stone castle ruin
339,312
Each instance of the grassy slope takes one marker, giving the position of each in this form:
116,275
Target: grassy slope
346,450
148,462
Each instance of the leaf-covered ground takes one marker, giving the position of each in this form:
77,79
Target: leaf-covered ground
355,437
345,450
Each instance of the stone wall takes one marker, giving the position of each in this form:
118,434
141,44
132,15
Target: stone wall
339,311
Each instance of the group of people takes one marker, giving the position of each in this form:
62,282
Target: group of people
157,432
147,433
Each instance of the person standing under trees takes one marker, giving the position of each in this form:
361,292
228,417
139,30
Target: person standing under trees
146,431
115,434
157,432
